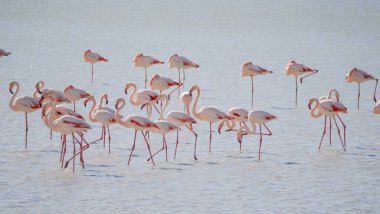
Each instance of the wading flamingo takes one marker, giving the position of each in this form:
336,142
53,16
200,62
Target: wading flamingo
161,83
181,62
92,58
256,117
250,70
74,94
24,104
376,108
179,119
209,114
39,88
329,108
142,96
145,62
104,117
4,53
137,123
360,76
298,69
65,125
236,114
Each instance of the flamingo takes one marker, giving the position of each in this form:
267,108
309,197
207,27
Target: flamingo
137,123
298,69
360,76
65,125
74,94
142,96
250,70
165,126
256,117
209,114
376,108
145,62
24,104
181,62
4,53
92,58
236,114
39,88
329,108
104,117
161,83
179,119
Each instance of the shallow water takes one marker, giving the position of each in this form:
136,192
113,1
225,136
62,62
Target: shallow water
47,40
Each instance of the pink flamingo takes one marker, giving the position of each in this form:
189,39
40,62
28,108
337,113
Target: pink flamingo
161,83
181,62
137,123
39,88
92,58
209,114
329,108
4,53
104,117
298,69
376,108
165,126
66,124
236,114
145,62
250,70
360,76
256,117
74,94
24,104
142,96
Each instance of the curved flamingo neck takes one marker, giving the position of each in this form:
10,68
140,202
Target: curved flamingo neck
117,113
166,100
91,115
49,119
101,101
230,124
336,94
312,113
12,105
37,88
133,102
194,110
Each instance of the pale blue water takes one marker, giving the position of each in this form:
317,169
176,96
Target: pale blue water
47,40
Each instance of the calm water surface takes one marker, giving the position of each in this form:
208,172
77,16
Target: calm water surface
47,40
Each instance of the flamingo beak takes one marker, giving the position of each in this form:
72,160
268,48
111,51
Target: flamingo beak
10,90
107,102
126,92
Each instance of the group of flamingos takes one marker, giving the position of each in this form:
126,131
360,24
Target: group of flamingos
66,121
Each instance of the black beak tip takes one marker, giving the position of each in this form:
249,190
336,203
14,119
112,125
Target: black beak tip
126,92
107,102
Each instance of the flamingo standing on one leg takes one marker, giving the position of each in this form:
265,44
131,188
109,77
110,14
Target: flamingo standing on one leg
74,94
4,53
376,108
181,62
360,76
145,62
104,117
166,127
161,83
24,104
298,69
236,114
336,98
66,124
250,70
92,58
207,113
137,123
328,108
256,117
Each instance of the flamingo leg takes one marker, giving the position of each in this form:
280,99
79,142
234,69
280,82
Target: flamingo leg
316,71
269,132
51,134
147,144
80,151
166,149
73,153
146,78
101,137
74,106
344,130
340,137
64,149
104,136
109,140
163,147
26,130
261,140
184,78
209,145
296,90
176,145
60,158
324,132
374,93
176,88
358,94
195,143
179,80
82,147
252,91
133,147
330,130
92,73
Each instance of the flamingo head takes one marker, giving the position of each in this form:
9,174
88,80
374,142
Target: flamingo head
11,85
136,58
348,79
119,103
292,61
127,86
91,97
